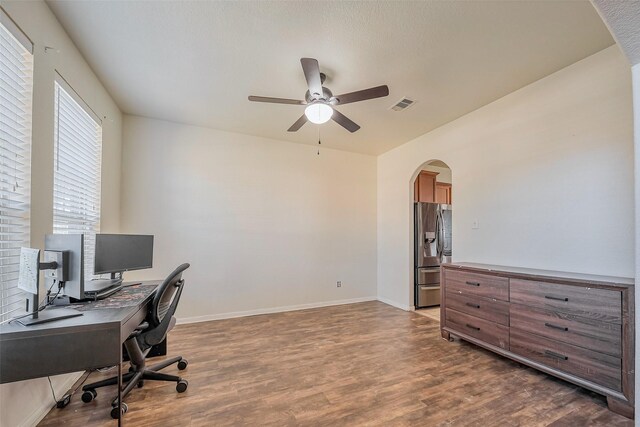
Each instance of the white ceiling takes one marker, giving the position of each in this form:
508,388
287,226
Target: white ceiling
196,62
623,19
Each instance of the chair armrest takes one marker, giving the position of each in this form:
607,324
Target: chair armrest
140,329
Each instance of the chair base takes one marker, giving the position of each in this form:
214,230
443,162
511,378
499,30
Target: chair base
136,378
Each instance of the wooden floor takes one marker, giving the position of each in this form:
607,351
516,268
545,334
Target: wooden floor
431,312
361,364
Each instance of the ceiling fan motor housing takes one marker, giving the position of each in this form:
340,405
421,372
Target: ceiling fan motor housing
327,96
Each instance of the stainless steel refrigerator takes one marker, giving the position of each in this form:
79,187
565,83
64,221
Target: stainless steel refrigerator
432,248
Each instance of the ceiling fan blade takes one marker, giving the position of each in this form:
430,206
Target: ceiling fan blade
276,100
298,124
362,95
344,121
312,74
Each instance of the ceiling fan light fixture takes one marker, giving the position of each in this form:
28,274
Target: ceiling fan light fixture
318,112
320,100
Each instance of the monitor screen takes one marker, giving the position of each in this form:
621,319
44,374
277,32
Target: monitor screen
122,252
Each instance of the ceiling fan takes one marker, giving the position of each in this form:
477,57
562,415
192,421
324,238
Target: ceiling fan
320,101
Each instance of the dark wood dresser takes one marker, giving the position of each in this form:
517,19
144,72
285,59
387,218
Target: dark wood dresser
577,327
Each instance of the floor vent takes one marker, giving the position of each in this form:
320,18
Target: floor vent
403,104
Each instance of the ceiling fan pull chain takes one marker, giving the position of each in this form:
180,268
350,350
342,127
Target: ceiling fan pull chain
319,143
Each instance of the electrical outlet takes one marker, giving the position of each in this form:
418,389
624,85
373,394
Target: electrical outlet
475,224
339,283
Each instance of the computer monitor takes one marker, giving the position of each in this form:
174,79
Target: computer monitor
117,253
55,268
73,286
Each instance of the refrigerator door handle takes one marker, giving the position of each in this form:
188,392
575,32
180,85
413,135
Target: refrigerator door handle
437,235
440,234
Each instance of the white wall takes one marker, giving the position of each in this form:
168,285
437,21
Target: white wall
25,403
266,225
635,71
547,171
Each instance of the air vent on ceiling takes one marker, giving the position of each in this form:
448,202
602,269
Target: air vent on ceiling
403,104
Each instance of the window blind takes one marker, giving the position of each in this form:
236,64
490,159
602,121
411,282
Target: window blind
16,84
77,168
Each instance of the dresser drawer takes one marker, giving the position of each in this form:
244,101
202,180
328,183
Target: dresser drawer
486,331
589,365
484,308
482,285
580,331
599,304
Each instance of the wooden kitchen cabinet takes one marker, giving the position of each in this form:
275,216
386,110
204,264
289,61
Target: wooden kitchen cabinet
425,187
443,193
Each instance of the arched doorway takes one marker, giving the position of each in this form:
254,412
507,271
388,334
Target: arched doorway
433,194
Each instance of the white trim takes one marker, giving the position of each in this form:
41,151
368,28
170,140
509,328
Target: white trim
77,98
281,309
15,30
395,304
39,414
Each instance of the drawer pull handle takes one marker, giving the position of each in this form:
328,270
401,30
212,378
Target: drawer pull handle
473,283
470,304
556,355
472,327
556,298
552,326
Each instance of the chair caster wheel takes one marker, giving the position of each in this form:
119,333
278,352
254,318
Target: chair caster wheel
182,365
131,369
140,383
181,387
89,395
115,413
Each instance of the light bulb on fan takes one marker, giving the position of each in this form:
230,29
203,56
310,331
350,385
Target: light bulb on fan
318,112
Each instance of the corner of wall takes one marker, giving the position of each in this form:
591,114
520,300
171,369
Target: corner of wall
635,72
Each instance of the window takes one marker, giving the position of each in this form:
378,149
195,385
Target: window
76,170
16,84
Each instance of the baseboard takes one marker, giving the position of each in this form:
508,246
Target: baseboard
395,304
282,309
38,415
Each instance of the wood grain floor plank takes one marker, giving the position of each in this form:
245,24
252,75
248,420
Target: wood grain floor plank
365,364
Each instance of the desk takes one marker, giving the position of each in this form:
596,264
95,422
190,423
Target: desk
93,340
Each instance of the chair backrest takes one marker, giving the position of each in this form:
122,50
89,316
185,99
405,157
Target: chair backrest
169,290
162,308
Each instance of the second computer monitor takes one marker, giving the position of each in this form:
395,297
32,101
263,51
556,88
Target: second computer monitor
116,253
74,244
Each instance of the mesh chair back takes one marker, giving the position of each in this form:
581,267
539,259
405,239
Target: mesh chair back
161,305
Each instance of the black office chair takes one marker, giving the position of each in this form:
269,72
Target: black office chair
152,331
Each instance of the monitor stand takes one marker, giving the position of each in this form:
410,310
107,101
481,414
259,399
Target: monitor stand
50,315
